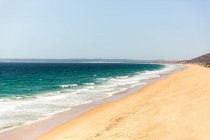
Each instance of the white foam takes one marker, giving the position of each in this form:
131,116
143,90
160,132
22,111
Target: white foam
68,85
90,84
27,109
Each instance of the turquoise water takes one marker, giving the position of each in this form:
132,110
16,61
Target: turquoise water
28,79
30,91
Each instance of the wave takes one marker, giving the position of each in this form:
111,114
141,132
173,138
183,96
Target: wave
89,84
68,85
44,105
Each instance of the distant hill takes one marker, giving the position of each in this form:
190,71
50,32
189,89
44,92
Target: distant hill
203,60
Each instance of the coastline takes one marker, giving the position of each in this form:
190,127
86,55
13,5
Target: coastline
172,108
43,126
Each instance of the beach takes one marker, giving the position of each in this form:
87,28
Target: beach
70,93
105,70
176,107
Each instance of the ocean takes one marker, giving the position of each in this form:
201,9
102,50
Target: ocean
31,91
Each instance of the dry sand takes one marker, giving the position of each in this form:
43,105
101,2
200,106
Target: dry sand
175,108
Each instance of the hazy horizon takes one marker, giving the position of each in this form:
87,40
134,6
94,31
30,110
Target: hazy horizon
103,29
76,60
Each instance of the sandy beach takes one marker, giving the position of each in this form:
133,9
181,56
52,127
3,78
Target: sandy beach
105,70
176,107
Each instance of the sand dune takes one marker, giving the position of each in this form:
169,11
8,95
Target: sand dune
175,108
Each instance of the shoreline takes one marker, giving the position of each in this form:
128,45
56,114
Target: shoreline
175,107
40,127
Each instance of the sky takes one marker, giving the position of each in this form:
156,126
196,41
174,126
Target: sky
126,29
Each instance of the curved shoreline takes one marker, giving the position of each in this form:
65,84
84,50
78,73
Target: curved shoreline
44,125
42,105
176,107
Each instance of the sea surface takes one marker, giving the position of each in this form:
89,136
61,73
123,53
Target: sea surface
31,91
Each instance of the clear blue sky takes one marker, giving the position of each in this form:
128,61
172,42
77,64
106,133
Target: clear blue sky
134,29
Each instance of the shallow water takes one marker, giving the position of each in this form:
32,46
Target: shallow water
32,91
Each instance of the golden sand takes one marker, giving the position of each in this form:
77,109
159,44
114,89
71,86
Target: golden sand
175,108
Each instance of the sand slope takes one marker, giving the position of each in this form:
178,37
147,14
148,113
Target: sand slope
175,108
